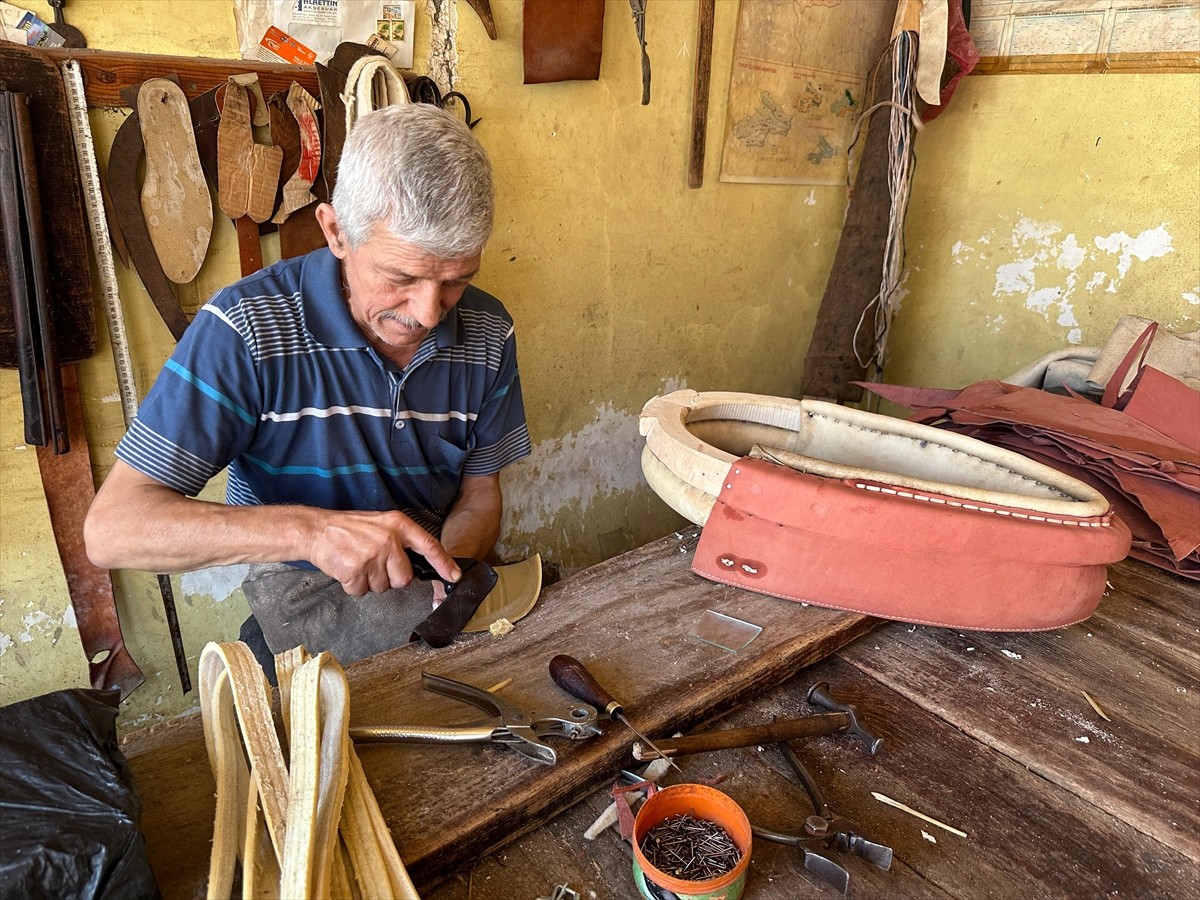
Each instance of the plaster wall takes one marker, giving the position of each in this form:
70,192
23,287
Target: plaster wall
624,283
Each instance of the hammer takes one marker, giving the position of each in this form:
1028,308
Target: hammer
842,717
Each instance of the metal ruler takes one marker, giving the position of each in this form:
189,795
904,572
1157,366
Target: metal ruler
89,172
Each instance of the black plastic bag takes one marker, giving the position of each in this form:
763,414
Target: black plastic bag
69,810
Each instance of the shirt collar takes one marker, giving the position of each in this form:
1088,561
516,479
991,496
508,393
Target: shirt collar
327,316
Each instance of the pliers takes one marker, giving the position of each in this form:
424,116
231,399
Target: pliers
523,731
826,830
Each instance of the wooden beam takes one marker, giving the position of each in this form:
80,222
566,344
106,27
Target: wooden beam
105,73
1074,64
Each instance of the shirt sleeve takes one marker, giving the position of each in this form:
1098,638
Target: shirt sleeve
202,411
501,435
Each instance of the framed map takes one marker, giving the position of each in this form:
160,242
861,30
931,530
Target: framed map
800,69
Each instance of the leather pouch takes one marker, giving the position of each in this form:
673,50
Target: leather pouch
562,40
908,555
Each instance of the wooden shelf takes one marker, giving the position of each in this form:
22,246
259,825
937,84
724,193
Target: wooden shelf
106,73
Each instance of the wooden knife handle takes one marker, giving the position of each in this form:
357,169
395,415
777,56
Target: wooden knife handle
573,677
772,732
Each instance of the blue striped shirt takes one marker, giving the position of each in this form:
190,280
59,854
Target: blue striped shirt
274,380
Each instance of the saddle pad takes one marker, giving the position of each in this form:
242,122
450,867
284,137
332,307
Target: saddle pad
905,555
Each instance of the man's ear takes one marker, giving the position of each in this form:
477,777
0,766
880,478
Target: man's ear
334,236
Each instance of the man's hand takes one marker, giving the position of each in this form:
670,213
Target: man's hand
365,551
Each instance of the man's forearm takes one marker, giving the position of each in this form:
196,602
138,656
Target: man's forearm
138,523
473,526
161,531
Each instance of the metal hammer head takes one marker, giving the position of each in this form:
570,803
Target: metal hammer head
819,695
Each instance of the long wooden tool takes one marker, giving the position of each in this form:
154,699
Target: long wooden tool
773,732
704,38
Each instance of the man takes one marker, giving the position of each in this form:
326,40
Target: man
364,398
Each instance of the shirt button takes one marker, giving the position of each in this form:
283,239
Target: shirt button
400,424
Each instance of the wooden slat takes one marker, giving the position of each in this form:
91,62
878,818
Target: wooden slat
1074,64
106,73
1020,694
628,619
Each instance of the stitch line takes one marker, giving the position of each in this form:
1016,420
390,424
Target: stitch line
985,509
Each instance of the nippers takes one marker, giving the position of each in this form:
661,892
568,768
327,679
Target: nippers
521,730
824,831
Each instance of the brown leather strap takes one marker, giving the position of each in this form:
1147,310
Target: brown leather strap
831,366
67,480
332,80
123,159
562,40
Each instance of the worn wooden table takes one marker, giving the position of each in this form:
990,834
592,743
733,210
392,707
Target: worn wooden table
630,619
989,733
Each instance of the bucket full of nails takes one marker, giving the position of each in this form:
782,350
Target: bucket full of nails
693,842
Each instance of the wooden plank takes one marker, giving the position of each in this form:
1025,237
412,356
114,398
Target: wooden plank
1026,837
1021,695
1181,63
1151,603
628,619
107,73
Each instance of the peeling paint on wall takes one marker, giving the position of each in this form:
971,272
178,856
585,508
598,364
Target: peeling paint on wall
443,42
1047,268
599,460
1147,245
219,582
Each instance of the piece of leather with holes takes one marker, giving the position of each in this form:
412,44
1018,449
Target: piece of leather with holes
830,543
562,40
67,481
124,158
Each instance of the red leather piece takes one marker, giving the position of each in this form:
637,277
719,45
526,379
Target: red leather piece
831,543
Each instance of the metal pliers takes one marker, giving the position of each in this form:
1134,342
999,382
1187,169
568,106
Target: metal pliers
523,731
825,831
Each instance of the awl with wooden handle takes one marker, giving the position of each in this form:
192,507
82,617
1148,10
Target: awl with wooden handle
573,677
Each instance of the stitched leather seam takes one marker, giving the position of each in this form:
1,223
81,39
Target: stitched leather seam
987,509
940,445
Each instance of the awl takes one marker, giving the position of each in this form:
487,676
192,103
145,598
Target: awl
573,677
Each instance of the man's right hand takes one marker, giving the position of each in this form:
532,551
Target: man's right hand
365,551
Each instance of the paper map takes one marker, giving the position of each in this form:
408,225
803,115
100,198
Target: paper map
799,71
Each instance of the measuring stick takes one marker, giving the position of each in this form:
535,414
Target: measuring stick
89,172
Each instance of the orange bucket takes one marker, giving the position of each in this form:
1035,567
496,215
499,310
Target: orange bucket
700,802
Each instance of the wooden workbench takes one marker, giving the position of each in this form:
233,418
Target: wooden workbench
629,619
989,733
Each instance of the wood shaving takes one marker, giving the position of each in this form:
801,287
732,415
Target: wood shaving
1095,706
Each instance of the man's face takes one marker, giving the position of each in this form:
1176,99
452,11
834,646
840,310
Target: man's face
398,293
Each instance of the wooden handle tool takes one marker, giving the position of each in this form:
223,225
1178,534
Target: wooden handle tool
573,677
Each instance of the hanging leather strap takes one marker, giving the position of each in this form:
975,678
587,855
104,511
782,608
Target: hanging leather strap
67,481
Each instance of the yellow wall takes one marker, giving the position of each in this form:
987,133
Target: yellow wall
624,283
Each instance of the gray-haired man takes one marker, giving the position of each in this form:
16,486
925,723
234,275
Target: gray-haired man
363,397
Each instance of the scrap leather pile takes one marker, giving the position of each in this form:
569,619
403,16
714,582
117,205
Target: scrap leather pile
1152,480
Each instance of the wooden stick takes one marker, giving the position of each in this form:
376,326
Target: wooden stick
912,812
704,38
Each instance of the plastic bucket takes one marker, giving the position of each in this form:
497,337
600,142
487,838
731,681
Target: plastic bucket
700,802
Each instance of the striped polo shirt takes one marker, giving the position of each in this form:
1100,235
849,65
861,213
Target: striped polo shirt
274,380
